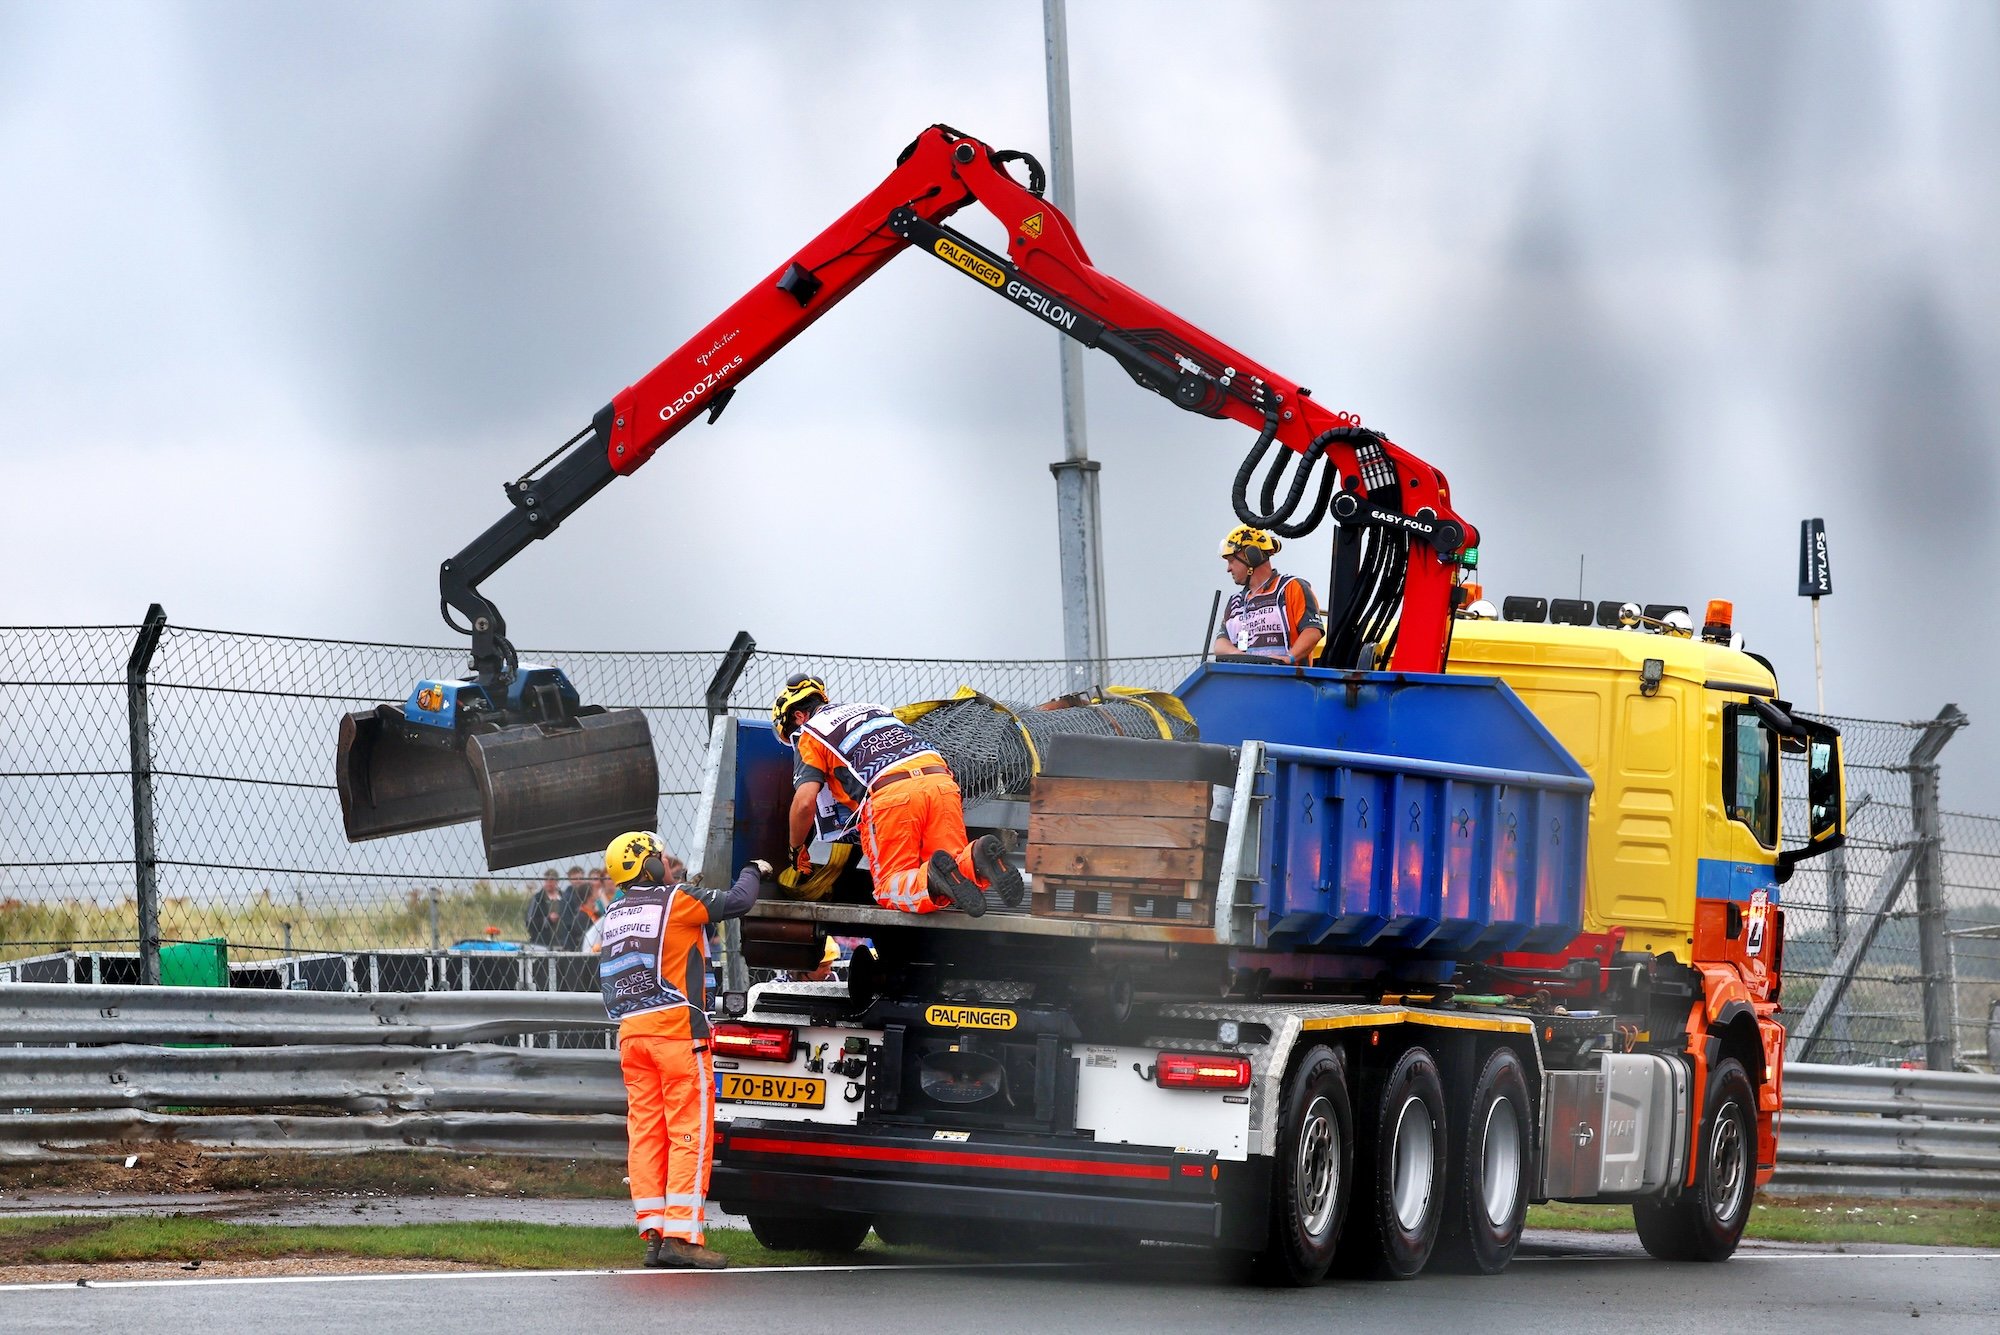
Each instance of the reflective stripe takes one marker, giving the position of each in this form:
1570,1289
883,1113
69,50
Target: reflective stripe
641,1204
684,1231
683,1200
656,1222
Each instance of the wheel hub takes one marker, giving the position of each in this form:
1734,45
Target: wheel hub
1318,1167
1412,1153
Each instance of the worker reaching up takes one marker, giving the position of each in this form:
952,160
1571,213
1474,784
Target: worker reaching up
652,970
1272,614
910,813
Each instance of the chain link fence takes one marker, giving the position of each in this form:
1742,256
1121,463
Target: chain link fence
236,734
1896,940
1892,944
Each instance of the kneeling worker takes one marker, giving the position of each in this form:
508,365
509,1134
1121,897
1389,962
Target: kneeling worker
910,813
651,970
1269,613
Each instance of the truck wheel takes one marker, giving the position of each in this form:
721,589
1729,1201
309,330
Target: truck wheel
1705,1222
1486,1202
830,1232
1400,1171
1309,1180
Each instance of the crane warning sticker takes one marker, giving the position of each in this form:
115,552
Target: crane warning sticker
1031,226
1753,927
970,1017
958,256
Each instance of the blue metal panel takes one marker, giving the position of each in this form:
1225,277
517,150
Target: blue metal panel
1427,815
763,794
1718,878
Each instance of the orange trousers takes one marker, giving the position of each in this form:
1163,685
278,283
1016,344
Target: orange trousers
902,824
669,1131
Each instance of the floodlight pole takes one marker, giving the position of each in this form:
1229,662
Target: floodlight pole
1819,668
1078,547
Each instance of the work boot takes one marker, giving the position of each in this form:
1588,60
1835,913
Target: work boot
953,890
989,855
653,1240
678,1255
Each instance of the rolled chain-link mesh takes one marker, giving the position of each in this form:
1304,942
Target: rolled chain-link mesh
250,846
987,742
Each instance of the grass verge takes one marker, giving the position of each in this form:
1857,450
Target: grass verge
499,1246
180,1168
1820,1219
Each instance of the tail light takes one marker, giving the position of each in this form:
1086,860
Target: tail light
1201,1070
760,1042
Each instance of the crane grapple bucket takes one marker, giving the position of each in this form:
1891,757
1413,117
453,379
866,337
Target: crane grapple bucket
538,790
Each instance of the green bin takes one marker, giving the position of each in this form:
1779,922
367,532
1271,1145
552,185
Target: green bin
195,963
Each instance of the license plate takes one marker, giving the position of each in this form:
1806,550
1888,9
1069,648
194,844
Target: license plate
783,1091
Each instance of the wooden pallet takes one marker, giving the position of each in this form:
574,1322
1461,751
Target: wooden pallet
1123,906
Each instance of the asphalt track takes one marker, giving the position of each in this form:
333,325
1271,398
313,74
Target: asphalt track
1558,1283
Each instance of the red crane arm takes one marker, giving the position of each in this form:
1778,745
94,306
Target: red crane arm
1046,271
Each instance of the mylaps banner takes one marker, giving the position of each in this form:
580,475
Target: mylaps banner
1815,575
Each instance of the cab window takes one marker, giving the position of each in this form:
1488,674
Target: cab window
1750,773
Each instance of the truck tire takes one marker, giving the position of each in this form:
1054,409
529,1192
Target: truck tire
837,1234
1399,1172
1705,1222
1309,1179
1486,1201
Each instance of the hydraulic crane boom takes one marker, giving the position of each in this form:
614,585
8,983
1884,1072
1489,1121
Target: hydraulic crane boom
1399,546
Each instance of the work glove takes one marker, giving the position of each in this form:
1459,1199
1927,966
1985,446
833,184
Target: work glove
764,871
802,859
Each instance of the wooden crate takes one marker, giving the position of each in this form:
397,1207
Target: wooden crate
1134,830
1185,798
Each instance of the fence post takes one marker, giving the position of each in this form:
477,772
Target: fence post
144,867
729,943
1927,877
738,657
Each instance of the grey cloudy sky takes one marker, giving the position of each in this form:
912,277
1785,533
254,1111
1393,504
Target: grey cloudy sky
290,289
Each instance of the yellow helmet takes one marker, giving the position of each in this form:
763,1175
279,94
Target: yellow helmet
628,855
1253,545
799,688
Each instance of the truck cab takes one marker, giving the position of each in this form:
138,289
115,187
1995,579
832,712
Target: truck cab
1683,738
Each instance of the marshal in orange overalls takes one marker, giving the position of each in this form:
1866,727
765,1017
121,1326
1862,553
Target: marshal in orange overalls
652,972
910,806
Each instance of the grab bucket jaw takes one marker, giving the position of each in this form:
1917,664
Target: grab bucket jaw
538,790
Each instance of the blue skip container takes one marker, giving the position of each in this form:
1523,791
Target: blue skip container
1425,815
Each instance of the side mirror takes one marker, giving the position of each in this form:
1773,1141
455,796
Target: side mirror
1826,807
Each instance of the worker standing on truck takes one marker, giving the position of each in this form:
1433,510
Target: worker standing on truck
652,970
1272,614
909,811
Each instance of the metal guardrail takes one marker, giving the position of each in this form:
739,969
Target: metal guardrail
1867,1130
98,1066
53,1013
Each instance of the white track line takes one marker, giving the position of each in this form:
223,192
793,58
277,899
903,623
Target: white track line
1784,1256
406,1276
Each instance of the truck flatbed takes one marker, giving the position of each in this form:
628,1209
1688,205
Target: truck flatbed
865,920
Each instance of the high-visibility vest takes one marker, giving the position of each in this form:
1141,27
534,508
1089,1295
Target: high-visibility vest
654,956
869,740
1261,623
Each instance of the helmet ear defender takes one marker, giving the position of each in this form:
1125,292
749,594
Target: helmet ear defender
653,871
1251,557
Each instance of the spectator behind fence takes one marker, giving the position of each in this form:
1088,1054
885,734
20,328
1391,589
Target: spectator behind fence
545,912
575,915
593,911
